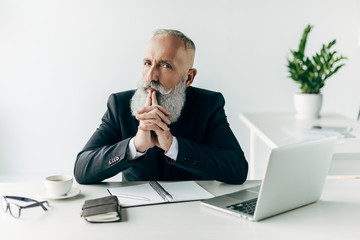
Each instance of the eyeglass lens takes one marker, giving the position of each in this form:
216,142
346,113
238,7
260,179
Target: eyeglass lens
4,204
12,207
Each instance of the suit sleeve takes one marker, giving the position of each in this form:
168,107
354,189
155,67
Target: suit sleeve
219,156
104,155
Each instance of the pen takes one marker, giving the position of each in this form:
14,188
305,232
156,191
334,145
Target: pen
161,191
132,197
169,197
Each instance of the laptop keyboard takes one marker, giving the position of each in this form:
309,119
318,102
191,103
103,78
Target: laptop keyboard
247,207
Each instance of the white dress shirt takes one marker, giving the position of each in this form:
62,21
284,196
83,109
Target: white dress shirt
172,153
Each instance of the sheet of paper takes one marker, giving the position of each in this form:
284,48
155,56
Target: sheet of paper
186,190
141,191
180,191
305,134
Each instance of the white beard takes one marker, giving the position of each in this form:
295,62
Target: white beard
172,100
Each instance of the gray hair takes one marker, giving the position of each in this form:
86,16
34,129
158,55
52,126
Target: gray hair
189,44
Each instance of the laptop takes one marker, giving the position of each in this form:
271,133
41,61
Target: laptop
294,177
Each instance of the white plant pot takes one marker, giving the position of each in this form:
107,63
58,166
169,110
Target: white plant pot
308,105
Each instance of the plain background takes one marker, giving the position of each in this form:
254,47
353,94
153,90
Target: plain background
60,60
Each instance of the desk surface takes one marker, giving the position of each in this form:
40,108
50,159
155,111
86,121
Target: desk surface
270,127
279,129
335,216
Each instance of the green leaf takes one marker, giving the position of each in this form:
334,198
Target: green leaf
311,72
304,39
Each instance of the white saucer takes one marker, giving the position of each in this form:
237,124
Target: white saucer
72,193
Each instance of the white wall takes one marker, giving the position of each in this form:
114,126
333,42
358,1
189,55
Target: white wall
60,60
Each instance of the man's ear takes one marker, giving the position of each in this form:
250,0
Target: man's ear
190,76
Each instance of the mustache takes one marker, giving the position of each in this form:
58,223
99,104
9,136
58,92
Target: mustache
173,100
155,85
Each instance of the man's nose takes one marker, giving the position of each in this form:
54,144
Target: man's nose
152,74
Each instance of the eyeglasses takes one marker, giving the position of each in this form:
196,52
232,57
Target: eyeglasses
14,209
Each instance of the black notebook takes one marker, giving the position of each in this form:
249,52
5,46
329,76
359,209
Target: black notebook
159,192
105,209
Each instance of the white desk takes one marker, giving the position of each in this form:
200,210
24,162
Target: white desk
267,131
335,216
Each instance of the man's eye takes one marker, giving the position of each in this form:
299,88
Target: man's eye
147,64
167,66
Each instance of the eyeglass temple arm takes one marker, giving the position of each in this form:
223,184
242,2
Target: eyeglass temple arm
37,203
24,199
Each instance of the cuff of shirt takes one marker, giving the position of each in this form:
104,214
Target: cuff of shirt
132,153
173,150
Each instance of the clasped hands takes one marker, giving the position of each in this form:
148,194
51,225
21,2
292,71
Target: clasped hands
153,127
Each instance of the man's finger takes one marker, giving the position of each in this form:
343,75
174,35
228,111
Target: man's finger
154,99
153,125
148,99
150,108
153,114
162,109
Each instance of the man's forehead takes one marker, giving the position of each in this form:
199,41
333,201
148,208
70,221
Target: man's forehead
164,47
167,41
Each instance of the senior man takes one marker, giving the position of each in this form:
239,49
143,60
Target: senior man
166,129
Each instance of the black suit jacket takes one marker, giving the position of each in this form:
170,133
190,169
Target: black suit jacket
208,150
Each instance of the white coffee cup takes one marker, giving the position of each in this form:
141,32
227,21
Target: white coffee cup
58,185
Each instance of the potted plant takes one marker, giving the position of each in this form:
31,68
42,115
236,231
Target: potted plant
311,74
